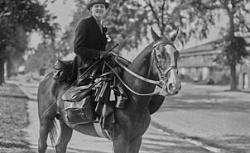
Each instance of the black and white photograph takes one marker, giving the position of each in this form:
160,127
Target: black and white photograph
124,76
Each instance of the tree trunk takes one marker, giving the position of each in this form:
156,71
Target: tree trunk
1,71
230,36
233,81
9,68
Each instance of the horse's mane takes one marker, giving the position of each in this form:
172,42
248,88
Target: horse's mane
147,50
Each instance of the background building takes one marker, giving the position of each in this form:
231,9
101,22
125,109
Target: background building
197,64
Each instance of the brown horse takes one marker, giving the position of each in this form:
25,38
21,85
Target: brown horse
155,66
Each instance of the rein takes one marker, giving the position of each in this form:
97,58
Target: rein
156,92
137,75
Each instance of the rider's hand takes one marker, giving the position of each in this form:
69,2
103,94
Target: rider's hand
104,53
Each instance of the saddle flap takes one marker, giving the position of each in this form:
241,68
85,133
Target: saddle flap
75,94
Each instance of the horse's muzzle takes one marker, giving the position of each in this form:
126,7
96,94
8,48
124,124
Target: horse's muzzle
173,84
173,88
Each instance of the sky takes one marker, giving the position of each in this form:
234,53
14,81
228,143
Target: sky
63,9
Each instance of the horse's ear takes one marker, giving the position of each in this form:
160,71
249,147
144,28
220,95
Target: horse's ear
154,35
175,35
59,61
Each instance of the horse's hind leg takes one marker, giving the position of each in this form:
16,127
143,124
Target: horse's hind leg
45,126
64,138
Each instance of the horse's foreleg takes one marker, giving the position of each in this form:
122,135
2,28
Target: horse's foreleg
64,138
45,126
120,144
135,145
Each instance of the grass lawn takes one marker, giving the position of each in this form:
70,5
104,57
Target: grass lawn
13,118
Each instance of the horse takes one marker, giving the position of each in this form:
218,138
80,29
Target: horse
154,68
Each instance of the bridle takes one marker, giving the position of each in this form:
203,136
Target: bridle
162,75
161,85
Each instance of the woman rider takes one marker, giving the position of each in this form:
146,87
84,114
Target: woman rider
90,36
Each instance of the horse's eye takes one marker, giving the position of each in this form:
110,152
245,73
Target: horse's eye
177,54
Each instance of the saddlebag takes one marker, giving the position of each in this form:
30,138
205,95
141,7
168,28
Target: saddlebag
80,114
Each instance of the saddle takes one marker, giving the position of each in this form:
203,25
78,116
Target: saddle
95,101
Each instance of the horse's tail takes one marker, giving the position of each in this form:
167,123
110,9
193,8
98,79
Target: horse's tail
53,132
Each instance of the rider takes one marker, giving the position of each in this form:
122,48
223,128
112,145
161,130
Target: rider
90,41
90,36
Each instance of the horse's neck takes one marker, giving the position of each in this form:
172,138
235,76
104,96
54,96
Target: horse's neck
141,65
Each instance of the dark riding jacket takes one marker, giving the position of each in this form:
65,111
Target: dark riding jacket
89,39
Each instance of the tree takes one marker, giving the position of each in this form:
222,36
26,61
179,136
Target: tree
17,20
15,51
236,12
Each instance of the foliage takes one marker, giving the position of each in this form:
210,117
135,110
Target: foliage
233,52
17,20
131,20
26,14
43,58
233,9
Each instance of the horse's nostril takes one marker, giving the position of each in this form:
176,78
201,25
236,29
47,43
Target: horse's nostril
170,87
